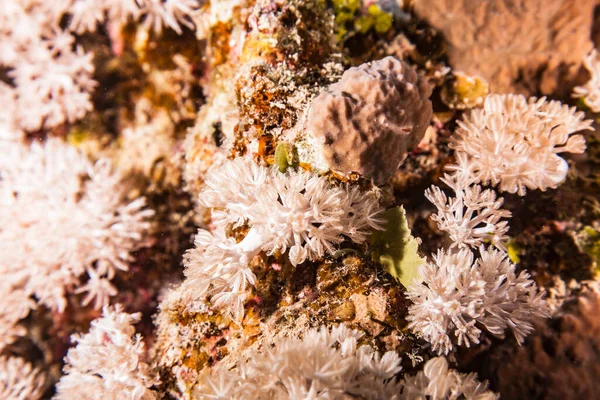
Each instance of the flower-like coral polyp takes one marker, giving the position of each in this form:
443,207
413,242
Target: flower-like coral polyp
460,296
514,142
296,212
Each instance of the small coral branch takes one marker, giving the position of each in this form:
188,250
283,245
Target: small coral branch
472,217
19,380
323,364
590,91
53,77
155,14
437,382
107,362
459,296
53,83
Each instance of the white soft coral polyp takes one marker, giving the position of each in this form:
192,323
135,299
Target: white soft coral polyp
62,219
296,212
514,142
460,295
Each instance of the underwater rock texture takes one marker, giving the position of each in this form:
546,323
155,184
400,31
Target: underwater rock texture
367,121
286,303
518,46
560,361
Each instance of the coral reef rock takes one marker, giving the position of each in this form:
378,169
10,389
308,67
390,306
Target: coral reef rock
368,120
488,38
561,361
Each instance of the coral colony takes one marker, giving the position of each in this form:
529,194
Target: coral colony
299,199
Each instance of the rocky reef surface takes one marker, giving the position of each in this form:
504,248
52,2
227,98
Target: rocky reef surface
292,199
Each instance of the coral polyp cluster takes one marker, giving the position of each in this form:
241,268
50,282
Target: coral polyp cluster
75,234
298,199
514,142
293,213
108,359
495,298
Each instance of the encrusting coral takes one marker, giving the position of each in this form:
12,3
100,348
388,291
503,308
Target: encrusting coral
480,40
260,77
368,120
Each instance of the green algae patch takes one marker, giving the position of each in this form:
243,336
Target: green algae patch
590,238
396,249
514,250
285,156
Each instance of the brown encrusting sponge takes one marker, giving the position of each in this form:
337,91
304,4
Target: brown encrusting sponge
368,120
528,47
560,361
